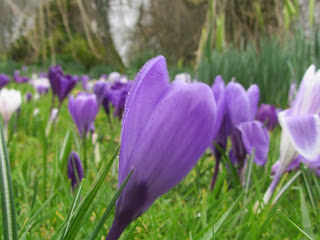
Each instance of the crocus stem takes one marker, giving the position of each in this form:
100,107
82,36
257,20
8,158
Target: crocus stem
84,145
52,102
5,129
216,171
116,230
272,186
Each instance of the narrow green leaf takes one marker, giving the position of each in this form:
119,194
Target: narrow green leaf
81,211
306,222
7,198
109,209
294,225
308,186
65,149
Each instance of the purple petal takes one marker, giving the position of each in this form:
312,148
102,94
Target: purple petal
170,143
238,107
218,89
303,131
253,94
149,87
254,136
267,114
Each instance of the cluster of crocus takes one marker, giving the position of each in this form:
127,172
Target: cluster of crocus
4,80
75,170
165,129
300,137
114,91
10,101
237,109
18,78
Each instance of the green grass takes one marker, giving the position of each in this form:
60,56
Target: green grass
43,199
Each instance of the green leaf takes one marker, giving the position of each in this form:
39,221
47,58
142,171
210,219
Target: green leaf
65,150
294,225
306,223
308,186
109,209
81,211
9,221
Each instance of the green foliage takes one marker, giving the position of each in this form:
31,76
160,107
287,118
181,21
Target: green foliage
273,65
79,48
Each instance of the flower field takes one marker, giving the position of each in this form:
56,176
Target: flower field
196,161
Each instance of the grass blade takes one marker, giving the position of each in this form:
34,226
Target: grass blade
81,211
306,222
109,209
307,185
294,225
9,220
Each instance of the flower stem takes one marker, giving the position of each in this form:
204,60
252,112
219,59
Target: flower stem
84,146
116,230
267,196
216,171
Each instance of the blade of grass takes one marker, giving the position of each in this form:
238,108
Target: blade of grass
81,211
307,185
294,225
7,198
109,209
306,222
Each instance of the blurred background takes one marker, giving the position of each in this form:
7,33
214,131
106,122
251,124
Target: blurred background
270,42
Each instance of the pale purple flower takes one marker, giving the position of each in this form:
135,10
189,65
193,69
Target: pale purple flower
41,85
75,170
267,114
186,77
113,77
84,82
166,128
236,112
4,80
83,110
300,127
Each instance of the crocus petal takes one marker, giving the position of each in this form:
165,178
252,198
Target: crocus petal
253,94
303,131
218,89
308,99
254,136
148,88
173,139
238,107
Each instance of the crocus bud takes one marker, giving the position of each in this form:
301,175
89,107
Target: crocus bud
83,110
41,85
165,130
4,80
64,85
75,170
54,74
28,96
267,114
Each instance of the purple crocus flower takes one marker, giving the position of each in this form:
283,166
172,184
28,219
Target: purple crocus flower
28,96
18,78
41,85
4,80
75,170
300,127
55,72
166,128
246,133
267,114
118,95
236,112
83,110
101,89
64,85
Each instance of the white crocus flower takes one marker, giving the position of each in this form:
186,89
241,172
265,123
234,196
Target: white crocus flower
10,101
